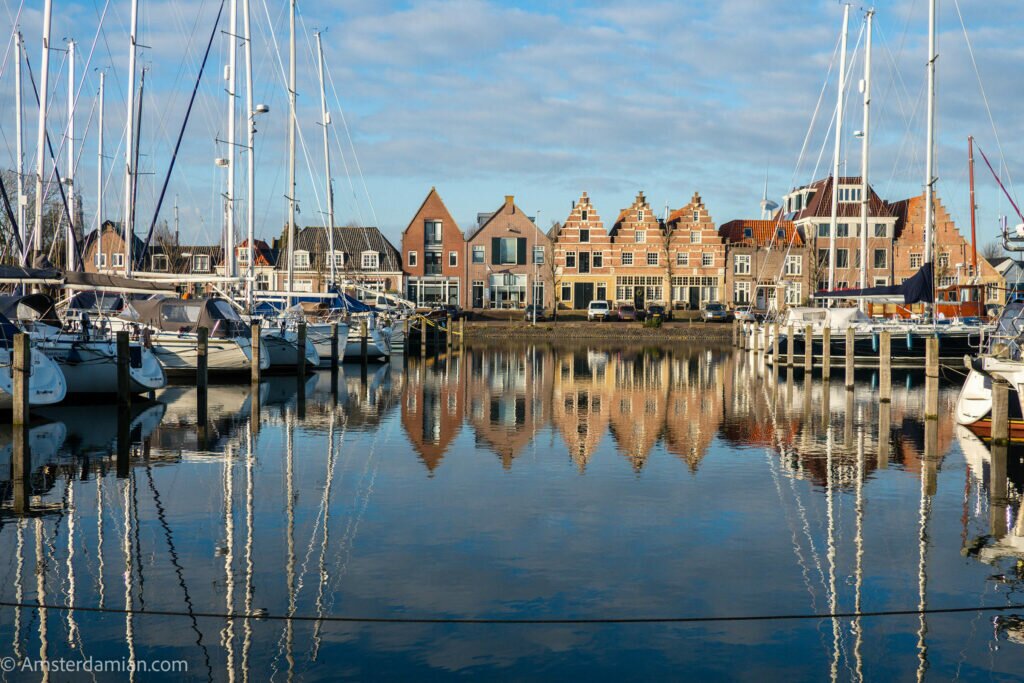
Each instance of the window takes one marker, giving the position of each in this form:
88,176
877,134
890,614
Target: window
640,216
201,263
411,261
707,260
823,229
944,259
432,232
741,292
794,293
300,259
159,262
242,255
641,236
453,258
881,260
780,234
566,292
842,258
682,259
822,257
339,259
597,259
915,260
794,264
842,230
696,216
881,281
432,263
118,260
881,230
652,258
478,254
627,259
101,260
584,235
602,291
583,214
694,237
849,194
370,260
570,259
741,264
538,254
506,250
748,233
263,281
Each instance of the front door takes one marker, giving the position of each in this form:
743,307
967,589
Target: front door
583,294
638,298
694,298
584,261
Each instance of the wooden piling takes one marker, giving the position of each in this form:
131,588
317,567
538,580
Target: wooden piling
334,348
202,358
735,333
300,350
21,372
776,345
21,469
931,388
1000,412
850,342
423,337
448,329
826,354
884,425
808,349
997,489
124,442
362,343
790,343
124,374
256,353
885,366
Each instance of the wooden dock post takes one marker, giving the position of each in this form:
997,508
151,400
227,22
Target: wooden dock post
885,366
300,350
776,345
997,489
423,337
21,469
850,342
1000,412
256,353
462,334
362,343
931,373
790,343
808,349
124,440
334,349
884,425
448,332
202,358
124,372
21,373
826,354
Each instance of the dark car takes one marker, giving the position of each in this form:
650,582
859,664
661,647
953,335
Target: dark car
626,312
453,311
534,313
659,311
715,313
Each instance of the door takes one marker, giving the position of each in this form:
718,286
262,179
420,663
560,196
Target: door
584,265
478,296
583,294
638,298
694,298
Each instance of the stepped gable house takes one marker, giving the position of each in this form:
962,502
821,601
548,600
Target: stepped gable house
509,260
583,258
696,265
435,255
640,255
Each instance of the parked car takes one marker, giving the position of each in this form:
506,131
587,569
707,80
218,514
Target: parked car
534,313
626,312
453,311
598,310
659,311
745,314
715,313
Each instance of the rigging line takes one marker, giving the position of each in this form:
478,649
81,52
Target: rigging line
1000,182
7,53
181,134
984,96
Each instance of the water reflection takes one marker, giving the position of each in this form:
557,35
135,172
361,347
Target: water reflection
518,482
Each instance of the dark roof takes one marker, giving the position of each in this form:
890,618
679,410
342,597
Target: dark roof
820,205
762,232
482,219
352,241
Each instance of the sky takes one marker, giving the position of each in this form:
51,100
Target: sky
539,100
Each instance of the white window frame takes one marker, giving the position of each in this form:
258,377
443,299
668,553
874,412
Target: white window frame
741,292
100,260
370,260
118,260
652,258
695,237
411,259
640,236
682,258
538,254
453,259
707,260
741,264
300,259
203,259
627,258
159,263
339,259
570,259
482,251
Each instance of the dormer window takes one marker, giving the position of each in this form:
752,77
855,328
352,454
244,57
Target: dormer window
339,259
748,233
200,263
118,260
370,260
300,259
849,194
159,262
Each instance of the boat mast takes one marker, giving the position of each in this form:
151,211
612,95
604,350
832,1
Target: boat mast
974,206
129,152
837,158
929,178
250,217
864,142
229,197
72,261
22,200
326,121
291,153
99,158
44,88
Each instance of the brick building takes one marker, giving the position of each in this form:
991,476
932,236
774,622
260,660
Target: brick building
639,256
767,265
696,263
510,261
583,258
434,249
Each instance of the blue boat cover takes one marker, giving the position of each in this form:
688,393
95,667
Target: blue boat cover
918,289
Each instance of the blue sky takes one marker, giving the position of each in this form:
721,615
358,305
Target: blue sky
539,100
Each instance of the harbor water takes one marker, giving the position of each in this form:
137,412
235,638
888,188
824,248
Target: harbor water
519,511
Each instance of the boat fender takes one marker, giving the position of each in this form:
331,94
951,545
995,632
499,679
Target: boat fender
910,341
874,342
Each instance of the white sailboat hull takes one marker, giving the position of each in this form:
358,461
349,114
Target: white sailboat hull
178,353
90,367
46,384
281,348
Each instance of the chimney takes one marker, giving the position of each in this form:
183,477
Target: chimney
509,199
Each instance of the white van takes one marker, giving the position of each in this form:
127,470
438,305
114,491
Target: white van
598,310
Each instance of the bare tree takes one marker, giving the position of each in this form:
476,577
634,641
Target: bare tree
991,251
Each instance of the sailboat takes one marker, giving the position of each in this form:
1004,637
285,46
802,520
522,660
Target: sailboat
46,383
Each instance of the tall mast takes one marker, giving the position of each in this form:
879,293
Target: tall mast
291,151
22,200
864,144
250,213
44,89
326,120
837,159
929,178
99,159
129,152
229,228
974,206
71,262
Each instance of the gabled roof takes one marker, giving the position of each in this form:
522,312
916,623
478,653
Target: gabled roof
762,232
820,205
353,241
484,219
433,194
265,254
118,229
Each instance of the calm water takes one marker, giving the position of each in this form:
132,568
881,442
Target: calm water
520,483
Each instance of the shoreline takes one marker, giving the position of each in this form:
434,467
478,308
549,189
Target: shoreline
569,330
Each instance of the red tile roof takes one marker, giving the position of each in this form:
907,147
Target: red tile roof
763,232
821,203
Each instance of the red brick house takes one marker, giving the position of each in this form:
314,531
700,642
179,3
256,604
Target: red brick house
434,252
696,256
767,265
583,259
639,255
